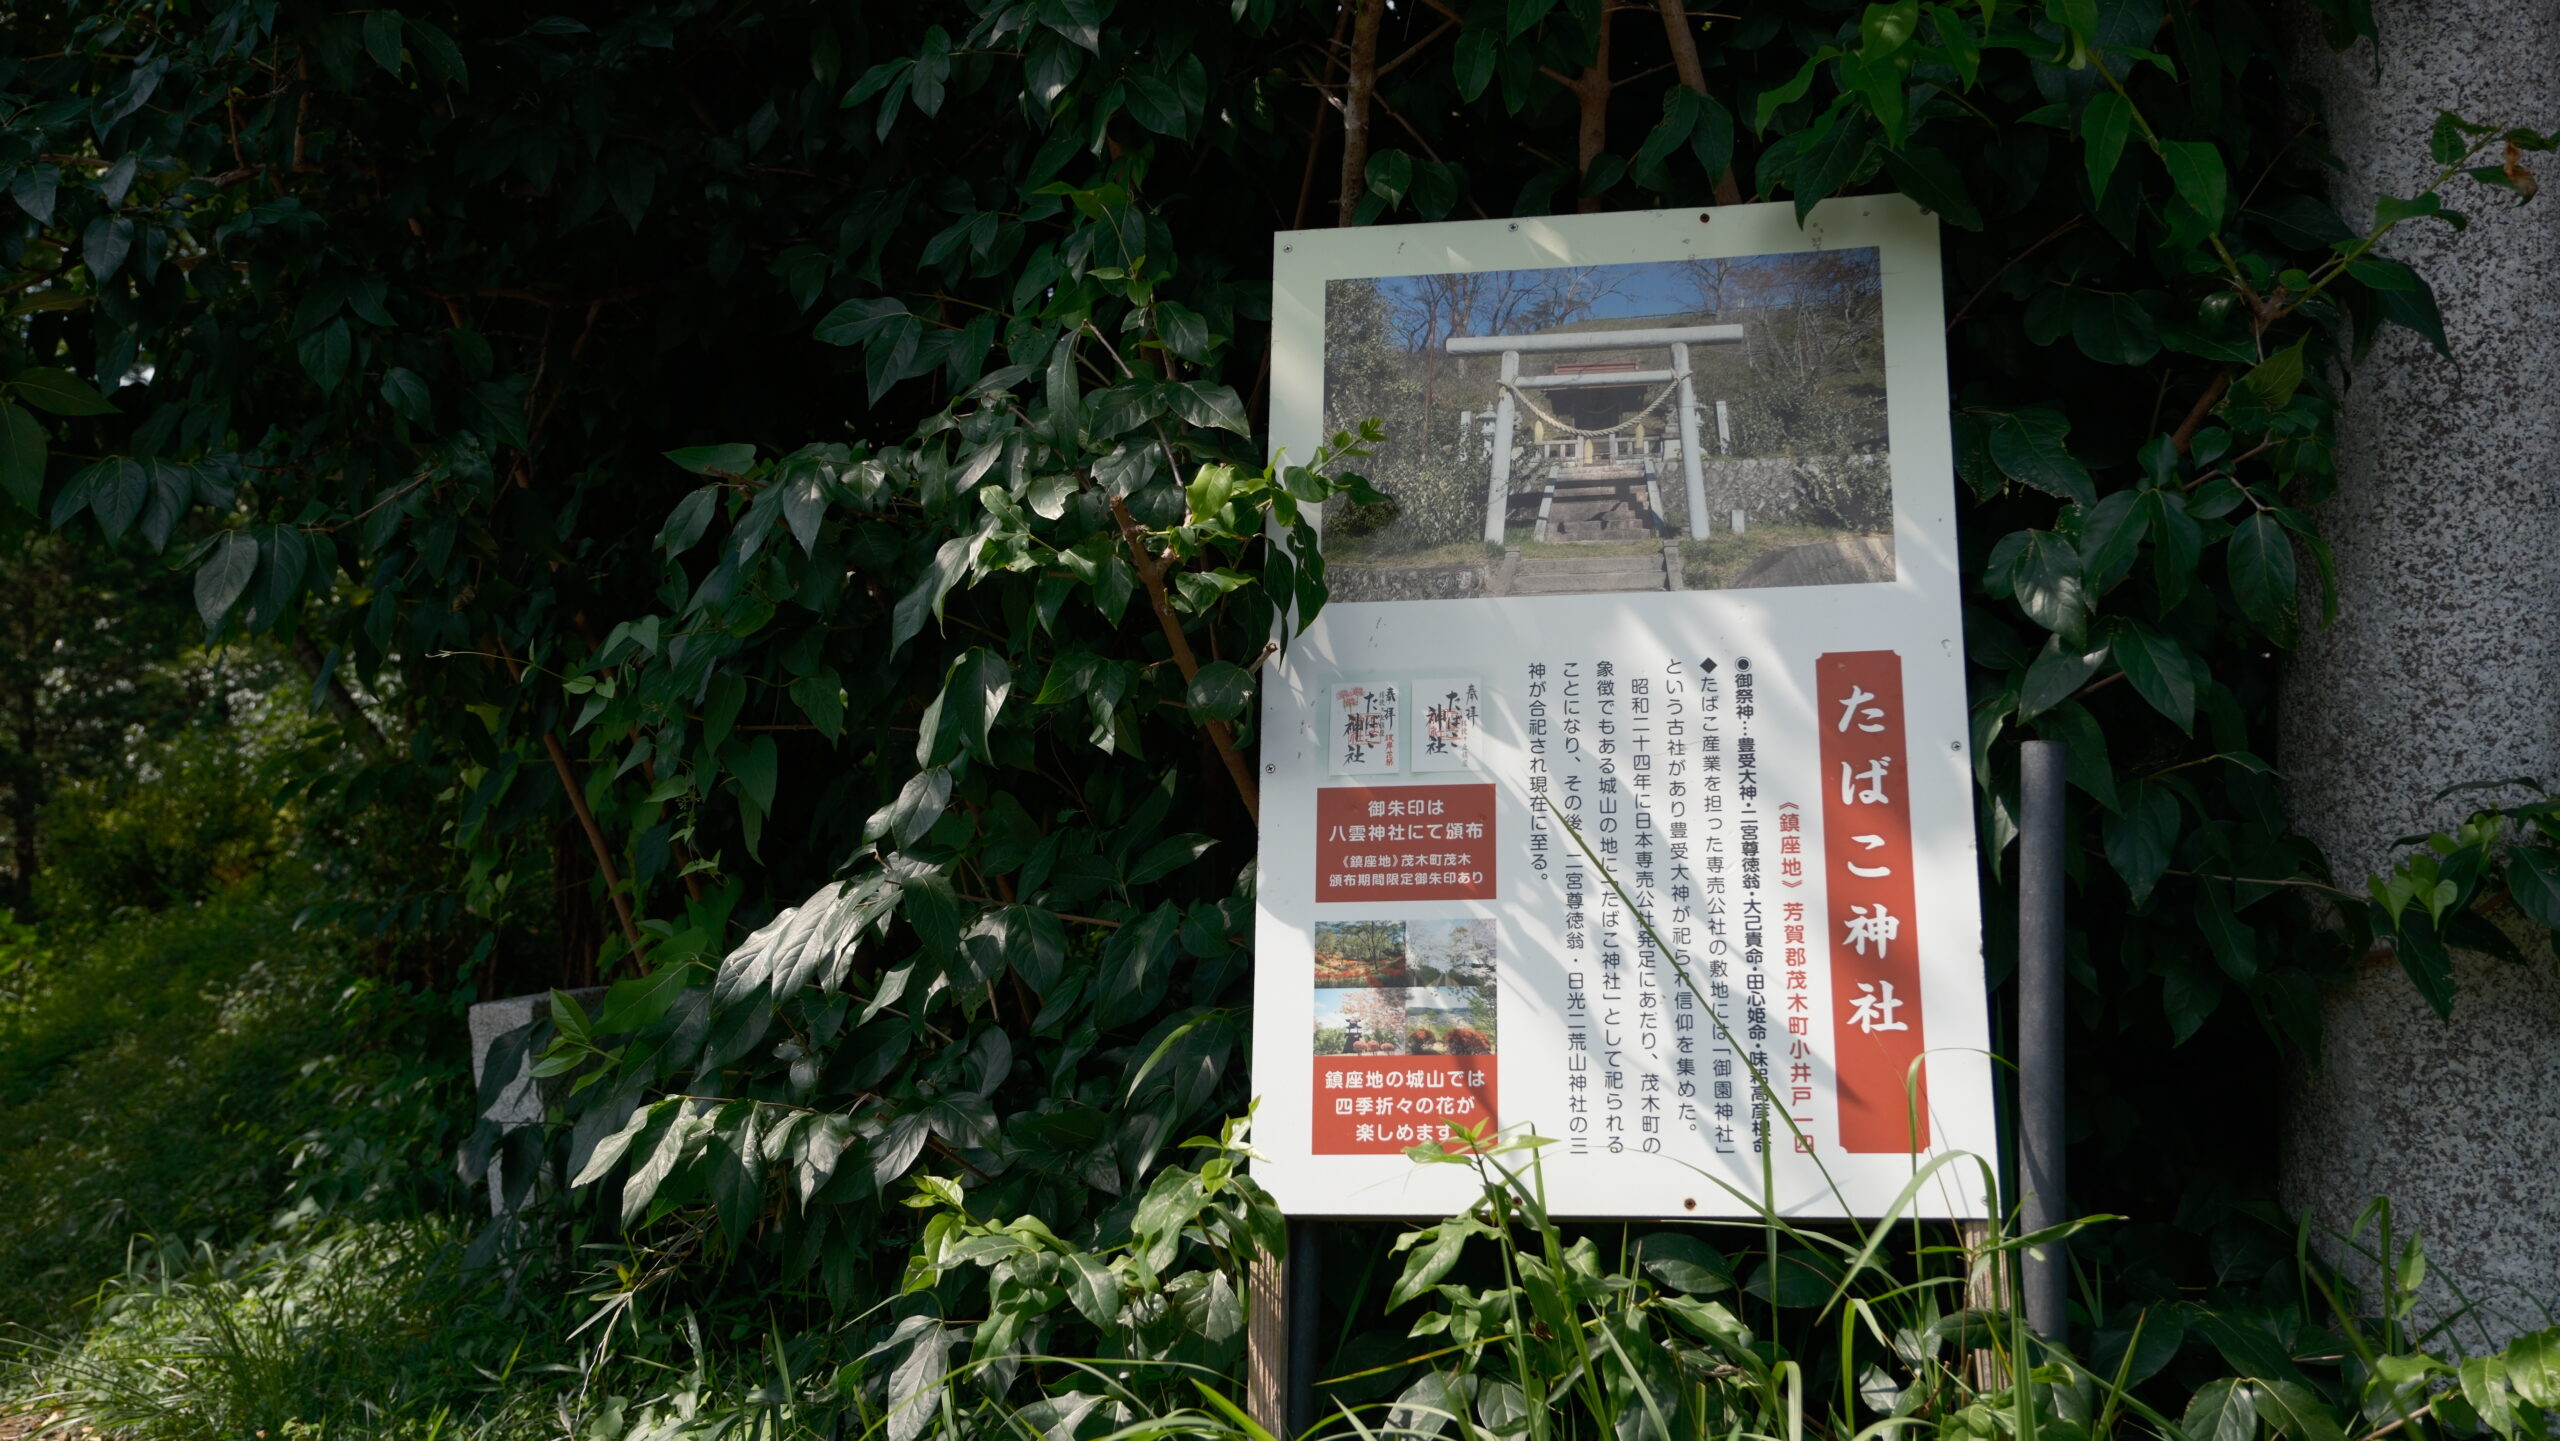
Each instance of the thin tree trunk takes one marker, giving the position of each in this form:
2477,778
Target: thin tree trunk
1684,58
1355,105
1591,139
1315,146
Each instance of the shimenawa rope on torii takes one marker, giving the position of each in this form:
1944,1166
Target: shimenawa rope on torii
1523,396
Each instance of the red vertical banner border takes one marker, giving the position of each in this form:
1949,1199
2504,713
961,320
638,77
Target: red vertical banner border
1875,934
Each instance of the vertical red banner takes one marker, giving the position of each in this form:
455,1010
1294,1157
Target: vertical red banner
1875,935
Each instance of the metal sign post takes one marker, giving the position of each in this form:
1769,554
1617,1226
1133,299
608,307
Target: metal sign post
2046,1274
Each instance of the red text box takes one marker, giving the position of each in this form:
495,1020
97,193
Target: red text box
1405,843
1379,1105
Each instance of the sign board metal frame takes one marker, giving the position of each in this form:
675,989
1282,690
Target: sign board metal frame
1477,850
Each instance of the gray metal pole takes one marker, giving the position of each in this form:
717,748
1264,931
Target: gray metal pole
2046,1273
1306,1294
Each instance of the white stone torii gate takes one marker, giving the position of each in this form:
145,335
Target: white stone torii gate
1677,338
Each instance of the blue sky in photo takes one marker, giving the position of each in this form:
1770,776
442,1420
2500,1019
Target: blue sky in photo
1646,288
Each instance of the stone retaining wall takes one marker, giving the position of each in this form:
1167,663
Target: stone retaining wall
1408,582
1775,489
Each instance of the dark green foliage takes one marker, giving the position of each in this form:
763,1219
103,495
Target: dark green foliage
738,439
172,1074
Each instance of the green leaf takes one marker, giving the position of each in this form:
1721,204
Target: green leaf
2424,959
610,1151
2196,172
2234,942
2086,745
2294,1411
2045,578
2272,382
104,245
920,803
820,697
324,353
2142,836
1792,91
2114,329
1220,691
2031,446
1430,1261
1093,1287
223,577
1522,15
118,489
963,714
856,322
1167,856
2104,124
2222,1410
2189,996
1684,1263
2260,557
756,763
34,189
437,53
2533,1368
2078,18
732,460
407,396
2058,671
172,486
1932,180
382,39
1182,330
2405,297
1066,399
1879,81
2158,668
1390,173
1472,64
2533,880
688,520
60,392
22,456
950,561
1830,159
1211,406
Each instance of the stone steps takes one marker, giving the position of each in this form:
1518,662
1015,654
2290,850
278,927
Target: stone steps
1598,531
1531,582
1592,564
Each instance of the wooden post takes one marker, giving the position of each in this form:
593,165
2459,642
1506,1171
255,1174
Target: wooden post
1982,1292
1498,494
1266,1344
1691,471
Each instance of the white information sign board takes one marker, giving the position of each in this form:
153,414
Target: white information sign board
1659,626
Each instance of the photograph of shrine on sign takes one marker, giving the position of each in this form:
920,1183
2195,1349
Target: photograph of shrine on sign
1703,424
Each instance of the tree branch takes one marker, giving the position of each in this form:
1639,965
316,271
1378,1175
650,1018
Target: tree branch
586,817
1221,735
1684,58
1315,143
1355,106
2203,407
